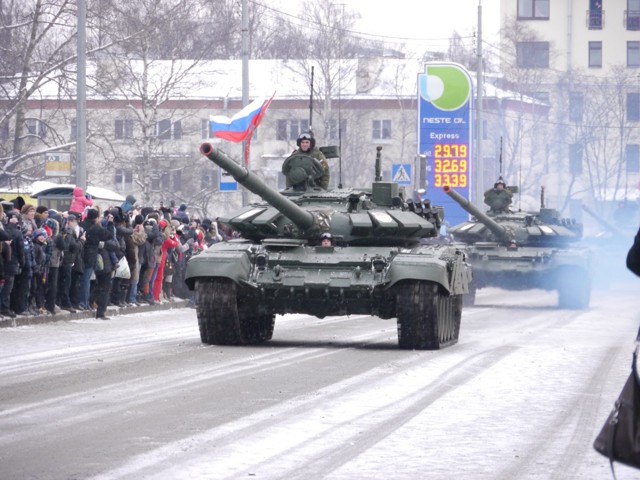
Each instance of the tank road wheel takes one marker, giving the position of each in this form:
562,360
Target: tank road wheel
574,289
217,312
427,318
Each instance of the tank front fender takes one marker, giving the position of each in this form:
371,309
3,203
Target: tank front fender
427,268
234,265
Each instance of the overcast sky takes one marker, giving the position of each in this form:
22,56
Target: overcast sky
425,24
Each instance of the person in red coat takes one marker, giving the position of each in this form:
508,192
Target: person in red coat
170,241
80,201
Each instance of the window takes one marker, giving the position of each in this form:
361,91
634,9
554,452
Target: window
205,130
290,129
632,15
123,179
633,54
594,15
533,9
334,134
176,178
540,96
123,129
633,107
633,158
155,182
381,130
595,54
4,132
576,106
165,130
36,127
575,159
533,54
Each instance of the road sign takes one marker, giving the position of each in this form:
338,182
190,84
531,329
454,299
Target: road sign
401,173
227,182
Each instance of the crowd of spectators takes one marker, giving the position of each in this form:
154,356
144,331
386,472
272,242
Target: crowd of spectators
88,258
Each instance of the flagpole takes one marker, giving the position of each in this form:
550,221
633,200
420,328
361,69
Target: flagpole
245,87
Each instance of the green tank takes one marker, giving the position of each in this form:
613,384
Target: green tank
525,250
376,264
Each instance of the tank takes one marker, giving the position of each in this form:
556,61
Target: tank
374,265
525,250
610,247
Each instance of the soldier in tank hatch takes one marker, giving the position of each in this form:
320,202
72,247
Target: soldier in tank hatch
499,197
307,146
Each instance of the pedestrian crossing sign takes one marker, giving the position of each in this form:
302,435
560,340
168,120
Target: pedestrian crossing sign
401,173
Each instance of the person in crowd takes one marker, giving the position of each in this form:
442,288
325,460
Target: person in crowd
21,287
39,271
29,216
129,204
80,201
123,233
148,259
13,259
77,269
137,240
72,241
42,213
108,249
181,213
93,239
59,246
169,241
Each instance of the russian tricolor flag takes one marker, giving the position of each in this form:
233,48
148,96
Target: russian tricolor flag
242,125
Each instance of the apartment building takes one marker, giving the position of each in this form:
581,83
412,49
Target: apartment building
582,57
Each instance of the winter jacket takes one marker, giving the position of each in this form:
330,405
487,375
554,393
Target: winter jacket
80,201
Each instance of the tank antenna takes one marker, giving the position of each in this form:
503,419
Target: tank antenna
311,103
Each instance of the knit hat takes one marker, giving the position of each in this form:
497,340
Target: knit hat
38,232
27,207
92,214
41,209
183,207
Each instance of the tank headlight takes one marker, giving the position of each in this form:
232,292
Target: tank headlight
261,261
378,264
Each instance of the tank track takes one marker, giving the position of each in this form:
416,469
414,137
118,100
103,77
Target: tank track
428,318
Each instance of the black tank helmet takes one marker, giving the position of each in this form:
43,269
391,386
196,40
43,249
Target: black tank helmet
499,181
306,136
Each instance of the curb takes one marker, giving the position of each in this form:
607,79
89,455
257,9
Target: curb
63,315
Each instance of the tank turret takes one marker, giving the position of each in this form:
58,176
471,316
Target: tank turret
498,230
375,215
324,252
525,250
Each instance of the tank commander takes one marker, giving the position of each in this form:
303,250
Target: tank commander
499,197
307,146
326,240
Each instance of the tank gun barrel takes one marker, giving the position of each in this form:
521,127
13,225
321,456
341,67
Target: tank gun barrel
302,218
499,231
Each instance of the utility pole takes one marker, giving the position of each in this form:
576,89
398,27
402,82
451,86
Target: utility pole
81,93
245,85
479,117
